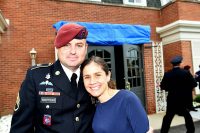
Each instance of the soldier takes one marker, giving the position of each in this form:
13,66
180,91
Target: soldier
178,83
50,100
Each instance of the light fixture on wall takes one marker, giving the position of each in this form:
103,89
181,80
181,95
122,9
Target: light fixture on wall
33,54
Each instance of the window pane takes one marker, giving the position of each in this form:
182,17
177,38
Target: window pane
138,1
99,53
107,54
91,54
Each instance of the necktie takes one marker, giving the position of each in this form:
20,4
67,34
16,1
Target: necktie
74,85
73,81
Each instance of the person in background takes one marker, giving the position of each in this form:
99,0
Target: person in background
177,82
190,93
197,76
117,111
52,98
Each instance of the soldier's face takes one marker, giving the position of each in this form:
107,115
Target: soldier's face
73,54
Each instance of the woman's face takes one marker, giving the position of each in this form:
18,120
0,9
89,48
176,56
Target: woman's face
95,80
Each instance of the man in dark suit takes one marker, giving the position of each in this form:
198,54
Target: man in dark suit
190,94
197,76
48,101
178,83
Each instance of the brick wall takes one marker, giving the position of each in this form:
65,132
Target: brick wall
189,11
182,48
187,54
149,82
169,14
181,10
169,51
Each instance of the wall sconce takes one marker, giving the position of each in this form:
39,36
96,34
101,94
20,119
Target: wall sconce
33,54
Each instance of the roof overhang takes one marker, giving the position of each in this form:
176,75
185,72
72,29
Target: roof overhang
179,30
113,34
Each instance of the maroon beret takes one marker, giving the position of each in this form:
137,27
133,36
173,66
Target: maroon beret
69,32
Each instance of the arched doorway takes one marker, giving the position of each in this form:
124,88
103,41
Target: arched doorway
107,53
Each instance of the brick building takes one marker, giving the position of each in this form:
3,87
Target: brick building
27,24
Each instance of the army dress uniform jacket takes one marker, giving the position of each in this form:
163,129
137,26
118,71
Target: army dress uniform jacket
47,103
178,83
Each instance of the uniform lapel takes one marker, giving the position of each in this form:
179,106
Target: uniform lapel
61,81
82,90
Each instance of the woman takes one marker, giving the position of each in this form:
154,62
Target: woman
118,111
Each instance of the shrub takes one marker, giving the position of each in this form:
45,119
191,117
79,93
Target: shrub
197,99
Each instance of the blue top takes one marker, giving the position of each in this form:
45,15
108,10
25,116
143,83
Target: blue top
123,113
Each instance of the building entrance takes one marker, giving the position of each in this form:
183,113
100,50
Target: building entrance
133,69
125,63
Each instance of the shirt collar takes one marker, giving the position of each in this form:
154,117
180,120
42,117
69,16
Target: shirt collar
69,72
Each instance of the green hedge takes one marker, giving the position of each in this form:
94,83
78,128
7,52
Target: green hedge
197,99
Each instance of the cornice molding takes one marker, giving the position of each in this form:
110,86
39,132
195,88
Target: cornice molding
179,30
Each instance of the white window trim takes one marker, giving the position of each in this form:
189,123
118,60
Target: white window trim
142,3
164,2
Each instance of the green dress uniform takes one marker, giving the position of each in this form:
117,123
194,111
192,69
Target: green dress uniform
47,103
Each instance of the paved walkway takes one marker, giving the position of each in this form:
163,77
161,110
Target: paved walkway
5,123
181,128
177,125
156,119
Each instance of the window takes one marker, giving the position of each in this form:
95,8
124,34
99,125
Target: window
132,60
94,0
133,66
135,2
164,2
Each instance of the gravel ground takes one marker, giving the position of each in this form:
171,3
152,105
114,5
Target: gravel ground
5,123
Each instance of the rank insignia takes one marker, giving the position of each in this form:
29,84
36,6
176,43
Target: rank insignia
47,119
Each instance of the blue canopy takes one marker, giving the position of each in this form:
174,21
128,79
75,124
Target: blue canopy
113,34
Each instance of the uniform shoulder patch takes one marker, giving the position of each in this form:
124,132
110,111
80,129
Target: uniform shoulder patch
41,66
